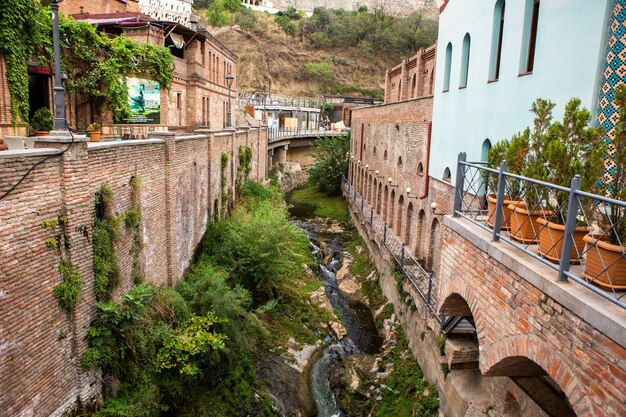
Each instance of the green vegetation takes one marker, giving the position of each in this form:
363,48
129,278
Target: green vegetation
105,233
42,120
68,291
331,163
190,351
322,205
223,12
406,392
96,65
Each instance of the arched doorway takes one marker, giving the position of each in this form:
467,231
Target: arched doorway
432,263
399,230
385,203
408,236
392,210
419,246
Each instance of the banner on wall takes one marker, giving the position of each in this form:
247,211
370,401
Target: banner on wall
144,98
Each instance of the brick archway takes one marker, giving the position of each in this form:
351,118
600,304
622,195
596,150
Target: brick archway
526,355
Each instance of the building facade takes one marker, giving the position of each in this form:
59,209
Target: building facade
497,57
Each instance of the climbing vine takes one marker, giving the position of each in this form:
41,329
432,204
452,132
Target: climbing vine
68,291
95,64
132,219
223,183
105,234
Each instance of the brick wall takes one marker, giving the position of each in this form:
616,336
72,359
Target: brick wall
412,78
40,343
519,323
393,140
70,7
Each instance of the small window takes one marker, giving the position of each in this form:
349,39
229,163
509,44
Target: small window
496,40
374,150
447,176
529,38
465,61
385,155
446,74
484,152
179,101
399,162
420,169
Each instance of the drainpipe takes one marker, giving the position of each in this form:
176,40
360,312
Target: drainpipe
427,170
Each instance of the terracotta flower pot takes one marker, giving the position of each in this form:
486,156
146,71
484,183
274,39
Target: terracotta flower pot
604,255
41,133
94,136
506,211
523,223
551,238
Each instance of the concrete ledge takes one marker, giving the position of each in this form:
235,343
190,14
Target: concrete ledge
224,134
605,316
120,143
61,139
25,153
191,137
156,133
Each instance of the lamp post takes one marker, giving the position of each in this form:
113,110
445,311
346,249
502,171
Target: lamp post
229,82
60,123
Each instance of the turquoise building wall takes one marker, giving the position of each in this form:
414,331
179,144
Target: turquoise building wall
569,61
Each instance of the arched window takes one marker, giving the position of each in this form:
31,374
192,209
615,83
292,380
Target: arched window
420,169
465,61
400,90
409,226
399,230
446,74
484,151
400,162
529,37
432,263
419,247
496,40
392,209
379,198
413,85
447,175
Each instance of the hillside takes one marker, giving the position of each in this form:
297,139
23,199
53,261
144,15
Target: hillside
397,7
303,65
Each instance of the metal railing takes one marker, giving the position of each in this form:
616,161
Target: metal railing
276,133
565,228
422,280
281,102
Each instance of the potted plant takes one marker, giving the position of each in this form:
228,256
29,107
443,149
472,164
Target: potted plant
523,222
94,132
514,152
42,121
606,258
570,148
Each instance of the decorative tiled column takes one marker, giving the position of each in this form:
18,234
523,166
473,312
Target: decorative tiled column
613,75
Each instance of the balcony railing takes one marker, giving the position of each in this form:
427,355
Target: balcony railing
423,281
275,133
565,228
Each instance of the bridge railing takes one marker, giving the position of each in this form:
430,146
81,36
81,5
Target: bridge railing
578,234
422,280
276,133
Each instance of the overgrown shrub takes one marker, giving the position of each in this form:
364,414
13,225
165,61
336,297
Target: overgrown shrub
330,164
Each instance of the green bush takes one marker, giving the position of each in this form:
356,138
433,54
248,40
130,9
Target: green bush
330,163
42,120
322,72
286,24
68,291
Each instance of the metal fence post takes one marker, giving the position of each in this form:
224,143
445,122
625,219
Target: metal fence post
371,215
570,225
460,180
497,223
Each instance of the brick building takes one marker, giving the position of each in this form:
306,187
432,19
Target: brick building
199,94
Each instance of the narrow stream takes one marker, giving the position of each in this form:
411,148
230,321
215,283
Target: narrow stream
362,335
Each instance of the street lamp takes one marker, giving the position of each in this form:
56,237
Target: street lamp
60,123
229,82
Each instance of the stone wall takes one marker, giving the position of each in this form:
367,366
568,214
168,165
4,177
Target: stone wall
413,77
41,343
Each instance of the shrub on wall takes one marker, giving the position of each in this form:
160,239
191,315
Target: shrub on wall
330,164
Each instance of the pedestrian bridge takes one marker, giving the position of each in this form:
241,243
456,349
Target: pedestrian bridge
292,145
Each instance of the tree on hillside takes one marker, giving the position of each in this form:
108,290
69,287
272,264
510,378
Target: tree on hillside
331,163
